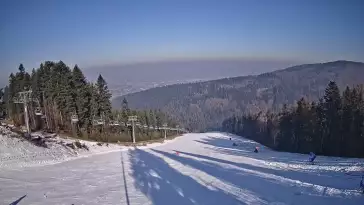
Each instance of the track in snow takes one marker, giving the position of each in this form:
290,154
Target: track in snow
208,170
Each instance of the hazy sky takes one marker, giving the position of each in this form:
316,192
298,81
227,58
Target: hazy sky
97,32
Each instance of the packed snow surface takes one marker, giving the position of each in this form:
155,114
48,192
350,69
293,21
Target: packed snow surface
16,151
203,169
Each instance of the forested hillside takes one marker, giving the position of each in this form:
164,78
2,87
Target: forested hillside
62,100
332,126
204,105
135,77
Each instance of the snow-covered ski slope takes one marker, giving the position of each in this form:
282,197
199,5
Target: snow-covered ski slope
202,169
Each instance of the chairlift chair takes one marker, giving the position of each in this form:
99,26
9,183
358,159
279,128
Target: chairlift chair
38,111
74,118
100,122
114,123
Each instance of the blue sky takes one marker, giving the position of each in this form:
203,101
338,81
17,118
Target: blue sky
96,32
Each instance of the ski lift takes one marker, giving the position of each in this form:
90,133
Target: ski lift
128,124
114,123
145,126
94,122
38,111
74,118
137,124
17,100
98,122
44,117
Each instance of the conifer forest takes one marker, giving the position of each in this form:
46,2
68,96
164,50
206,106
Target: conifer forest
332,126
60,99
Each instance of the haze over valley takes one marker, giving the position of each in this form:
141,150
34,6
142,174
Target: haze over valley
125,79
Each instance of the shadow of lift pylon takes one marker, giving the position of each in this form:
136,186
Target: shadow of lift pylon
17,201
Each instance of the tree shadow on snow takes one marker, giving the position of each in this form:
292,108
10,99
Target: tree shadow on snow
303,171
308,177
18,200
262,182
164,184
246,147
323,169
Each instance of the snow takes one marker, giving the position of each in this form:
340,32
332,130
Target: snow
201,168
16,152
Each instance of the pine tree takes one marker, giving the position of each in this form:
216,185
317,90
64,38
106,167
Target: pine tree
332,110
152,118
80,95
146,118
103,98
20,78
12,94
347,120
2,103
91,107
285,130
158,118
312,137
6,101
125,110
62,78
357,137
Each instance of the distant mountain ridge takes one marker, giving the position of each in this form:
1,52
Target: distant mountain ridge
205,105
124,79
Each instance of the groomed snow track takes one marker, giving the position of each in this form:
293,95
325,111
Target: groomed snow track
202,169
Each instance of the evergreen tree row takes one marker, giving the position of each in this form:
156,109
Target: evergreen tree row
333,126
60,94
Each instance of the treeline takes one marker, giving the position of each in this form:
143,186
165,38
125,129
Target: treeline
60,94
202,106
332,126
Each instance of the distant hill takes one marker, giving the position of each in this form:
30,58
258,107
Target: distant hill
124,79
205,105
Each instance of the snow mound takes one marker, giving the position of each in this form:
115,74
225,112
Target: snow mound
44,149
